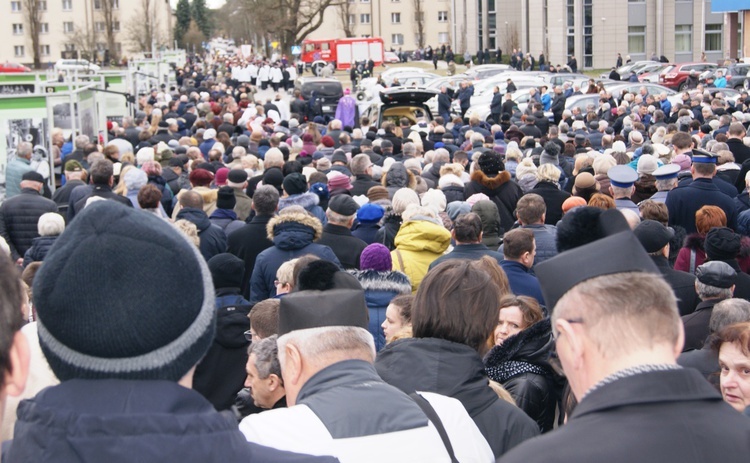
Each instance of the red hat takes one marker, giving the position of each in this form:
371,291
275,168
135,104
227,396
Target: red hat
109,125
268,121
201,177
221,176
328,141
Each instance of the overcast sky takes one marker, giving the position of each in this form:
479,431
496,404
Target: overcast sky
210,3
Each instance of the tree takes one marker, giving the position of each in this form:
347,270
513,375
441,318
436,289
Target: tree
344,10
512,41
419,22
33,16
107,13
143,29
182,14
193,38
84,39
201,16
300,18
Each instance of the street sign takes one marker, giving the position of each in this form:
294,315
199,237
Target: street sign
296,50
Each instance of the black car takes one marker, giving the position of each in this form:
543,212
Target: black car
736,75
328,91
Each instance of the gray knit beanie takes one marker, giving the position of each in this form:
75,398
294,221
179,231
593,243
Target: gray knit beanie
122,294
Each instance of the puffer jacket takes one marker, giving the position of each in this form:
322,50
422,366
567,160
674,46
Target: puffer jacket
226,219
520,365
309,201
293,235
114,421
40,246
221,374
19,217
167,196
398,177
501,190
455,370
418,243
453,193
387,233
380,288
213,240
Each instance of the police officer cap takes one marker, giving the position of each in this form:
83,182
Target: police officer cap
622,176
704,157
666,172
716,273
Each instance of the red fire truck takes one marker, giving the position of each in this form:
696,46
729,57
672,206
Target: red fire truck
342,52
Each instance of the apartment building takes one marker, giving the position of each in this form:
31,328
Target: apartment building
73,28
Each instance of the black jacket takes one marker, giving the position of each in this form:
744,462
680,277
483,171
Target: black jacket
740,151
696,325
501,190
444,104
213,240
496,106
246,243
40,246
455,370
553,198
19,217
387,233
346,246
682,283
363,183
520,365
99,191
705,360
664,416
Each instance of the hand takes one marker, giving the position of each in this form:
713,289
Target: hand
19,261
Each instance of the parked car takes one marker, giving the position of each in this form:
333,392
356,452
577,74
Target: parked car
451,83
675,76
652,73
329,90
13,67
411,79
76,65
390,57
484,71
736,75
624,70
520,97
397,103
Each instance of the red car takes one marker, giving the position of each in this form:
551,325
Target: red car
675,76
13,67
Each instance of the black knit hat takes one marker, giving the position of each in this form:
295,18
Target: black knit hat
225,198
722,244
124,295
226,270
490,163
295,184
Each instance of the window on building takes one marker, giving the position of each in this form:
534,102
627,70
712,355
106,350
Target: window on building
17,29
683,38
397,39
364,18
636,39
352,19
42,5
588,34
70,47
100,26
68,27
97,4
15,7
442,37
44,28
490,6
101,46
396,18
419,16
571,22
115,4
713,37
67,5
442,16
44,50
118,47
116,26
365,1
18,51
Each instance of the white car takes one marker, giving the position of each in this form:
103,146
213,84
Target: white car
390,57
76,65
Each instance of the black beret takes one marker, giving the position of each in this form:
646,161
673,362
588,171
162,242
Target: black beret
33,176
653,235
716,273
721,244
237,176
343,204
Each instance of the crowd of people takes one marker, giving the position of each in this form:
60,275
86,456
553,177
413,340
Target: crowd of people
228,278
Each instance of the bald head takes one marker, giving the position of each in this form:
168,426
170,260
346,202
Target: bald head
191,199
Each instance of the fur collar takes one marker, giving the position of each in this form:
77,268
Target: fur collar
508,350
694,241
492,183
372,280
306,200
303,219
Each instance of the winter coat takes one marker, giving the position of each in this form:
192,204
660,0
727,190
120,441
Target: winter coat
366,231
347,247
696,325
418,243
694,242
455,370
522,281
645,187
380,288
13,173
553,199
682,283
387,233
221,374
209,196
672,416
175,182
40,246
167,196
520,365
545,238
244,204
309,201
362,184
492,230
293,235
19,217
453,193
474,251
116,420
501,190
213,240
226,219
684,202
398,177
246,243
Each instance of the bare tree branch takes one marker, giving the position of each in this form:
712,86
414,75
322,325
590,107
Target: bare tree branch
33,16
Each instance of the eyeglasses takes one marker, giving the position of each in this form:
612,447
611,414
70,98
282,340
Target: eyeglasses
555,334
554,359
249,335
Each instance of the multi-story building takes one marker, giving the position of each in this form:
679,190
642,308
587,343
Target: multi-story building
396,21
75,28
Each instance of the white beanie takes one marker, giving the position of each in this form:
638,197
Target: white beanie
435,199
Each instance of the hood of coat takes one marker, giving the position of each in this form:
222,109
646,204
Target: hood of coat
231,324
491,183
422,235
293,231
490,217
196,216
531,345
306,200
399,176
437,365
392,282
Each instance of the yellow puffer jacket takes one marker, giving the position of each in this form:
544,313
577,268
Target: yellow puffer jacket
419,242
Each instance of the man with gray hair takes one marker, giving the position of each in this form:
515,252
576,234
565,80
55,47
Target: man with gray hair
16,168
264,374
79,146
337,235
361,167
714,282
617,335
338,405
705,359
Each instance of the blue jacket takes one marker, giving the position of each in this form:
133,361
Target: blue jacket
40,246
522,282
684,201
212,237
380,288
545,237
205,147
309,201
367,232
292,235
226,219
111,420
